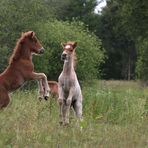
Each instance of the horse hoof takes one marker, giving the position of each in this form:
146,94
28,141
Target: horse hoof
60,101
61,122
40,98
46,98
66,123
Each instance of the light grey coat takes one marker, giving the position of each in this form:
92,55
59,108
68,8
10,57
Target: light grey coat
69,88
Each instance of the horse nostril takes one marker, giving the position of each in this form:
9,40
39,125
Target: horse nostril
63,56
42,50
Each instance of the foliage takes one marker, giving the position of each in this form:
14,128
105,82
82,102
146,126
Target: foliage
134,14
18,16
142,62
121,26
89,53
135,17
80,9
119,46
3,57
38,16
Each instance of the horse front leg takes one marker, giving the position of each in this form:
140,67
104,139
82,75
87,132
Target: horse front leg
46,87
67,106
41,90
43,83
61,103
4,99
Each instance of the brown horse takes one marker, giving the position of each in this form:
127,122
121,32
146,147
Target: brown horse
21,68
53,85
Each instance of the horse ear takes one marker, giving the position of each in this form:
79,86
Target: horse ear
22,33
63,44
74,45
32,34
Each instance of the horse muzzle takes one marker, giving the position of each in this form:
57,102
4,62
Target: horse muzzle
63,57
41,51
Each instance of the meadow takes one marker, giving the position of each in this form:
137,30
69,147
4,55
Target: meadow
115,116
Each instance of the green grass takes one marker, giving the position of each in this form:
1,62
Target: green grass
115,116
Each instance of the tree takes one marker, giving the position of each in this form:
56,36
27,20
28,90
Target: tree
119,46
81,10
134,15
17,16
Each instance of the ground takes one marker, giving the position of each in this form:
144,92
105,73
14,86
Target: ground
115,116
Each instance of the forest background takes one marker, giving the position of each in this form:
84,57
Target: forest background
112,43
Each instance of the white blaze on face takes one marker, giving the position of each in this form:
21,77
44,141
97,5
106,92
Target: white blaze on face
64,52
67,47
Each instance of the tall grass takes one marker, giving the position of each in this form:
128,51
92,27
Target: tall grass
115,115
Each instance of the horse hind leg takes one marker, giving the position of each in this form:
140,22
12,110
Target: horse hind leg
65,113
77,106
4,99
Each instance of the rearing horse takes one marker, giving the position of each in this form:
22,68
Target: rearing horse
69,88
21,68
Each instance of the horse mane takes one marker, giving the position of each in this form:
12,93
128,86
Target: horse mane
73,44
17,50
74,59
74,53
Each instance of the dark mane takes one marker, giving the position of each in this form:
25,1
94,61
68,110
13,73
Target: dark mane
74,54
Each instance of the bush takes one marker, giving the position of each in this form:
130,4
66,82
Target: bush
89,53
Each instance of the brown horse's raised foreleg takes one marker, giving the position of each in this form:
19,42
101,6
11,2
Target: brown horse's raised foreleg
41,77
41,90
4,99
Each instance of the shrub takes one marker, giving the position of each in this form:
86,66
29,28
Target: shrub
89,53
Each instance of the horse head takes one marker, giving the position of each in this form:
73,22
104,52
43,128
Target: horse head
68,50
25,46
32,43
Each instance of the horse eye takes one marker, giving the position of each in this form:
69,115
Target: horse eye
34,40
